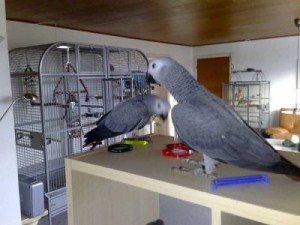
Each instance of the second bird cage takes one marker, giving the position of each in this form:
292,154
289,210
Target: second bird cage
251,99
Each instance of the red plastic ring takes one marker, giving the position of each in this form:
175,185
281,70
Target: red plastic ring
176,150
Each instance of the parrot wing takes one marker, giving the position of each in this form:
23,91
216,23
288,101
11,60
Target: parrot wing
126,117
222,138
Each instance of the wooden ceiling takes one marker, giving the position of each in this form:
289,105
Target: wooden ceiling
183,22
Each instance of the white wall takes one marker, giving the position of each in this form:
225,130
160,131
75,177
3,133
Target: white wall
9,198
276,57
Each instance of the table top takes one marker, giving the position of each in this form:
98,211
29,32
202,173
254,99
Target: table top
276,202
277,145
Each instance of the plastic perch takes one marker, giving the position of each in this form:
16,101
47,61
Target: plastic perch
231,181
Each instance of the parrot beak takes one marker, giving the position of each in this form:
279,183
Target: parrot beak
163,116
150,79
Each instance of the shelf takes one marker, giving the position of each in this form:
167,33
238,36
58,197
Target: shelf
140,176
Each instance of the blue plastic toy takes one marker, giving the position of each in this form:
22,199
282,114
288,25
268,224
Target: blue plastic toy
231,181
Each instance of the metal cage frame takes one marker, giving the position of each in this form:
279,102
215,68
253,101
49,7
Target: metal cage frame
76,84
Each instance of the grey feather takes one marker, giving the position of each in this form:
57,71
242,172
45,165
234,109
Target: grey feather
207,124
127,116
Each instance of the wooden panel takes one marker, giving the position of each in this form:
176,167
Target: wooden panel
190,22
213,72
98,201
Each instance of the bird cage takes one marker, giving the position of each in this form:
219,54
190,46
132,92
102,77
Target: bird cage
75,85
251,99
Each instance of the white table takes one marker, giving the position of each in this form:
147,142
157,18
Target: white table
277,145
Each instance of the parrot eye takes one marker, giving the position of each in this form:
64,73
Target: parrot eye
153,65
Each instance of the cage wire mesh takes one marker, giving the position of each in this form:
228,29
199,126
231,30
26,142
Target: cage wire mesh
75,84
251,100
92,60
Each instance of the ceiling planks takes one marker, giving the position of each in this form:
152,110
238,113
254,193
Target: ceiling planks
185,22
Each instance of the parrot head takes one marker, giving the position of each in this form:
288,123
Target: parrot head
159,69
159,106
162,108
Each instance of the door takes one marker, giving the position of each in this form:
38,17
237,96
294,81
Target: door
213,72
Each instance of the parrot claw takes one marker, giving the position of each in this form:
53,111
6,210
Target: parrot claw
202,172
207,167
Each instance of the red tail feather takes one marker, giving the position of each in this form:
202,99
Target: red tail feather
294,177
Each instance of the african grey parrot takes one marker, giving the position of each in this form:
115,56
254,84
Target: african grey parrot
129,115
207,124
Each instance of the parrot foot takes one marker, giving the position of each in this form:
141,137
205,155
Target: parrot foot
202,172
210,165
207,167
